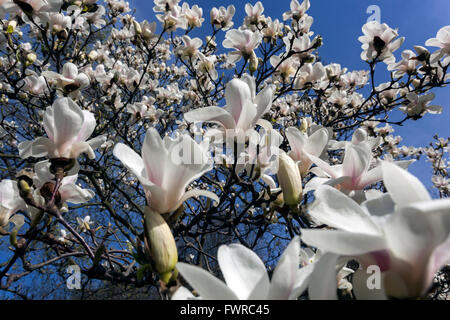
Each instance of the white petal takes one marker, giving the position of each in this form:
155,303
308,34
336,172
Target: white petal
284,278
403,187
342,242
211,114
323,282
337,210
208,286
243,271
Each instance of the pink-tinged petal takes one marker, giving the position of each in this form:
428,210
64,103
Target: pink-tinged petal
356,162
337,210
243,271
343,242
284,278
70,71
208,286
403,187
414,231
333,171
370,177
323,281
297,140
211,114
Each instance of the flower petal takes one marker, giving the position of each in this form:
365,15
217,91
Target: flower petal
208,286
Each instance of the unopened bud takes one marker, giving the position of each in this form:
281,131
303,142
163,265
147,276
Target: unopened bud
11,26
161,245
253,66
137,27
290,180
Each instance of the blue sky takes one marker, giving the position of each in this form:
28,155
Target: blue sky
339,23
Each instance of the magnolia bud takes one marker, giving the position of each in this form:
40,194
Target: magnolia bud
416,83
137,27
253,66
161,245
290,180
31,58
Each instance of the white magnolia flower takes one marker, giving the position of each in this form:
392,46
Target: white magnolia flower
69,191
31,8
407,65
67,127
302,146
418,105
405,233
441,41
70,80
379,41
243,107
244,41
311,76
352,174
246,276
297,10
222,18
166,169
193,15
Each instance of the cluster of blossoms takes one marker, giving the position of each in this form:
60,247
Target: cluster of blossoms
116,133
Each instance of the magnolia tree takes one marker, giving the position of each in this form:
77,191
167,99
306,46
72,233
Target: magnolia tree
138,153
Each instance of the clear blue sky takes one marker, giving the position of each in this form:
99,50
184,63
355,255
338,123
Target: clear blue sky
339,23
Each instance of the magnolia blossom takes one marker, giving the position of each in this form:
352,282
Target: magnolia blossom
193,15
407,65
244,41
67,127
35,85
222,18
297,10
190,47
243,107
379,41
310,76
405,233
302,146
10,201
441,41
68,190
70,80
166,169
418,105
246,276
353,173
253,12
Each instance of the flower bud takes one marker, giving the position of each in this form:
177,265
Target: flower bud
11,26
161,245
137,27
31,58
253,66
290,180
